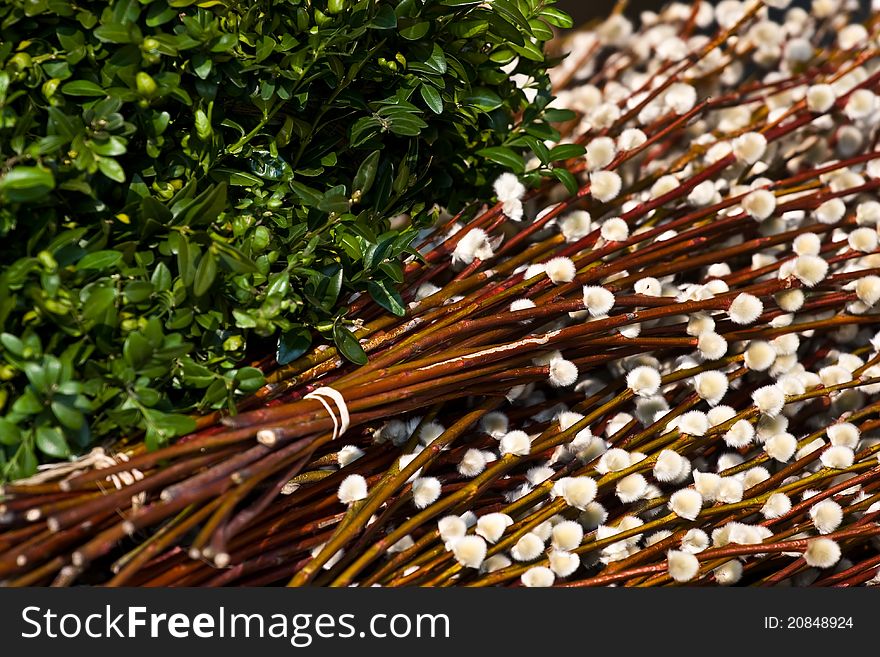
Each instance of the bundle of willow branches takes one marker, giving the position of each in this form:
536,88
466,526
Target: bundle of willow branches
668,376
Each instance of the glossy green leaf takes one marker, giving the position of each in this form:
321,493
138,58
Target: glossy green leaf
50,441
249,379
206,272
348,345
366,173
386,297
506,157
82,88
25,183
483,98
99,260
432,98
292,344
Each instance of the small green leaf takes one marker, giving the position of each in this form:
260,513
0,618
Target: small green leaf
566,178
68,415
13,343
249,379
309,196
112,169
432,98
98,303
10,434
416,31
348,345
566,152
506,157
206,272
385,19
51,442
82,88
483,98
27,404
366,173
137,350
23,184
387,298
100,260
556,17
293,344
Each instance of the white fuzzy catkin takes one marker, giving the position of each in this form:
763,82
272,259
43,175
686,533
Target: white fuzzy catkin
781,447
631,138
516,442
563,563
644,380
668,466
844,434
560,270
822,553
576,225
493,525
707,484
868,289
730,490
352,489
837,457
469,551
769,400
693,423
682,566
528,548
348,455
600,153
711,386
631,487
510,191
597,300
614,229
740,434
472,463
686,503
749,147
475,244
820,97
508,188
563,373
861,104
745,309
680,97
567,535
826,515
831,211
711,345
776,506
759,204
807,244
605,185
425,490
728,573
759,355
579,491
790,300
538,576
863,239
451,527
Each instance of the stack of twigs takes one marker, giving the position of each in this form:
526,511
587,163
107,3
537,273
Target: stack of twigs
669,376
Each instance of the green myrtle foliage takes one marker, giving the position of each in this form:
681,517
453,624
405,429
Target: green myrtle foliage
186,186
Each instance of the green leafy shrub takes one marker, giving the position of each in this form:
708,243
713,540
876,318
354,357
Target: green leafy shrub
186,184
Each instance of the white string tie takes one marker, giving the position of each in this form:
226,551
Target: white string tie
340,424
